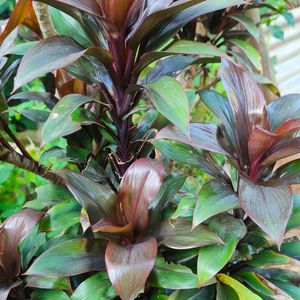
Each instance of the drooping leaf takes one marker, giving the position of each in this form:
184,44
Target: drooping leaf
129,266
13,231
73,257
214,198
241,290
89,6
202,136
170,100
138,187
48,55
96,287
172,276
247,23
99,200
230,230
181,236
60,121
268,207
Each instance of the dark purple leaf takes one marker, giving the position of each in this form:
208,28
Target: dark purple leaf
13,231
247,102
90,6
269,207
6,288
203,136
129,266
180,235
138,187
99,200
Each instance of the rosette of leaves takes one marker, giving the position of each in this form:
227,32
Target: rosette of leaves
253,136
131,221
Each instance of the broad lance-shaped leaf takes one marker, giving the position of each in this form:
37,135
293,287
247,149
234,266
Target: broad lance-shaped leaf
247,102
96,287
221,107
202,136
51,54
181,236
172,276
138,187
269,207
214,198
241,290
13,231
70,258
129,266
283,109
170,100
60,121
231,231
99,200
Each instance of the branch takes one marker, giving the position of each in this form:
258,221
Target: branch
42,14
23,162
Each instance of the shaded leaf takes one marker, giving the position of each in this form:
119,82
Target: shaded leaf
169,98
60,121
73,257
181,236
268,207
247,23
214,198
129,266
48,283
40,294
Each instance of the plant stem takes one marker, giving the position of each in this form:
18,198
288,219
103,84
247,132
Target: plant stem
14,158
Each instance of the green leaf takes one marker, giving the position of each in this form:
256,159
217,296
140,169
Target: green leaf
60,121
248,24
73,257
55,219
48,283
269,207
49,195
181,236
48,55
204,293
49,295
185,208
170,100
230,230
66,25
172,276
241,290
225,292
214,198
96,287
251,52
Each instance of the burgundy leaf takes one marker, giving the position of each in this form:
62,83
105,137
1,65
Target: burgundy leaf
281,150
129,266
13,231
139,186
268,207
247,101
5,289
203,136
90,6
288,127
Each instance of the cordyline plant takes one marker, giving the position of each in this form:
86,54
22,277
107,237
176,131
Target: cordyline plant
118,220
